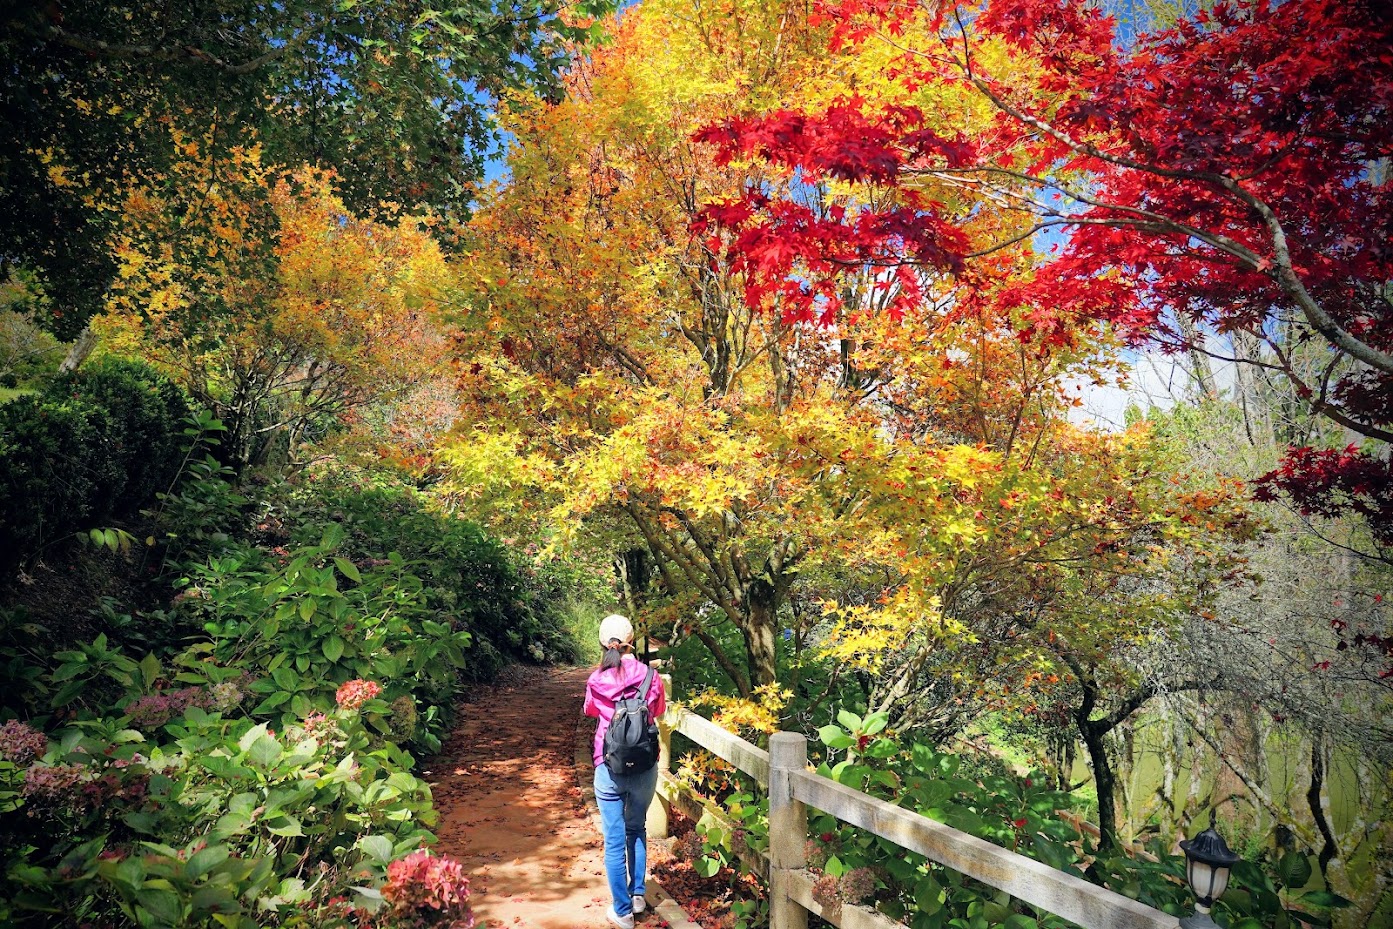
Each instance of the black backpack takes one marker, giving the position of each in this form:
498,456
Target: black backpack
631,741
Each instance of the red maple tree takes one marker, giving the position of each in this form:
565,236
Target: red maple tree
1224,182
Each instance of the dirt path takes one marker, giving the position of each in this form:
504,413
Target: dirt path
511,809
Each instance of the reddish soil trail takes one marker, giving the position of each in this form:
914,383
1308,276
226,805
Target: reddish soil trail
511,809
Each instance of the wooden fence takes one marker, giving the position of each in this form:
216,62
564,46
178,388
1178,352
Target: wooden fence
783,771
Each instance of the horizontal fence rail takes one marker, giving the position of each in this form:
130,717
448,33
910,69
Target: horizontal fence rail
793,787
1024,878
751,759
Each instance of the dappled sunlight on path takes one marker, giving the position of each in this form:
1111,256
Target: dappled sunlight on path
511,810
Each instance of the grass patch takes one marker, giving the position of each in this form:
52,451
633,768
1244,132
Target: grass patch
10,393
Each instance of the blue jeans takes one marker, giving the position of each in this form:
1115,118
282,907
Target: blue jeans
624,804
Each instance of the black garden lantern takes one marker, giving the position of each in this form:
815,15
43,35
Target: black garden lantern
1208,861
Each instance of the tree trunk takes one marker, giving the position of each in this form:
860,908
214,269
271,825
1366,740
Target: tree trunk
742,683
1126,769
1104,779
762,609
632,567
1200,371
86,341
1329,847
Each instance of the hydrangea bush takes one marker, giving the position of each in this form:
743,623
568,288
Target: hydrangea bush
424,890
259,777
255,770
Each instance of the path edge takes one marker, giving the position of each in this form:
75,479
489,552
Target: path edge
663,903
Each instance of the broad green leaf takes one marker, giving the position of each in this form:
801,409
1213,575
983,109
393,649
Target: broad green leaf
994,913
249,738
149,670
164,904
68,693
285,826
349,569
264,751
1324,898
928,895
214,899
834,737
376,847
333,648
205,860
1294,869
271,703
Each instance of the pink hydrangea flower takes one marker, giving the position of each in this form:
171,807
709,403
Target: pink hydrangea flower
21,743
52,782
155,710
354,694
426,890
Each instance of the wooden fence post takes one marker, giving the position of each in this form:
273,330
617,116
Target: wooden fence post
657,819
788,828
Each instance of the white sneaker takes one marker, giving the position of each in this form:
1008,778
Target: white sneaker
623,922
640,904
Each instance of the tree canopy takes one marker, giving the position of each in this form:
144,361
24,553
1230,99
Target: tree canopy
1223,184
393,96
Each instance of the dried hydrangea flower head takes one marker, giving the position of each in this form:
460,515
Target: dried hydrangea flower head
21,743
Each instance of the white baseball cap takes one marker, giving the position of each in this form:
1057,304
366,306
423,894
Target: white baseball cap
614,627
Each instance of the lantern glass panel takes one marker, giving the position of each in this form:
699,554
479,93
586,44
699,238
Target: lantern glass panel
1221,882
1201,877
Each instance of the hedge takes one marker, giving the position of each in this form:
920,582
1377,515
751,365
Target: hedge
94,445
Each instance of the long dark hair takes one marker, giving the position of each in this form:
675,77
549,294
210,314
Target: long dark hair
614,654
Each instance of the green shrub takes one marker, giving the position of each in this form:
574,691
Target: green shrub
147,413
258,777
201,516
168,818
95,444
307,622
254,769
515,612
27,352
53,473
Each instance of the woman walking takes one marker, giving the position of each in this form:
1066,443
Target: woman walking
623,798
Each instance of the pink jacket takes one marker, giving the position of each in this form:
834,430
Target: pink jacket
606,687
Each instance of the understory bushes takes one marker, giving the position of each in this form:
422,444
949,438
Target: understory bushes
91,446
242,754
512,607
979,796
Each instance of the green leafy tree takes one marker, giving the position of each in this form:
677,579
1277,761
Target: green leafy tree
391,94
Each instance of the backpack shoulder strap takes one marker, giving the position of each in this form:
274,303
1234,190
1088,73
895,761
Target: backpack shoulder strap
647,683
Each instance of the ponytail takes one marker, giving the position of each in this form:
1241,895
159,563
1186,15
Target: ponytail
614,655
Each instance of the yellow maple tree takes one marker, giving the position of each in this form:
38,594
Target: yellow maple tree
270,302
